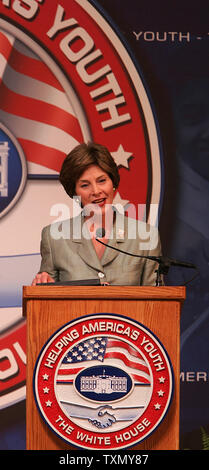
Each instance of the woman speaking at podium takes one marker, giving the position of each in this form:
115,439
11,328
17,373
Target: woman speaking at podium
71,250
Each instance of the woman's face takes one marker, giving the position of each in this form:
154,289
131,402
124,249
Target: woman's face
95,187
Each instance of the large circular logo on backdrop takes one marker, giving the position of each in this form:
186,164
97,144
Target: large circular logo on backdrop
102,381
66,77
108,99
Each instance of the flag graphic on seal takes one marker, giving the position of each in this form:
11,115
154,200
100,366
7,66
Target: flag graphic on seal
111,351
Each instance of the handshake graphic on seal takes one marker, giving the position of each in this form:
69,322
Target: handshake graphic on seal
103,416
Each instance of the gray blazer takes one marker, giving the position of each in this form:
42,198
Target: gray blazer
67,254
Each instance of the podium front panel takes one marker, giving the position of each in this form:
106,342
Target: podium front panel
48,309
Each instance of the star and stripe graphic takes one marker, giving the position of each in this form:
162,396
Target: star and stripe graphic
109,351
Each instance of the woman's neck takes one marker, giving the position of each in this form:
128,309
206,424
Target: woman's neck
104,221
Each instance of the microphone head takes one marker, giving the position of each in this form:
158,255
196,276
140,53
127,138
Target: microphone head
100,233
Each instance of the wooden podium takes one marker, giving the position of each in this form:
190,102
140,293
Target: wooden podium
48,308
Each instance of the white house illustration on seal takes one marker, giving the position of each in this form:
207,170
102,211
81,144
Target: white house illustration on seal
103,384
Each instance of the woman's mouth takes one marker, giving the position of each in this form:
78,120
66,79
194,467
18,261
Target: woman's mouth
99,201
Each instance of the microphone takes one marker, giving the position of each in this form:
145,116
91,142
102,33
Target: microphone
100,233
162,260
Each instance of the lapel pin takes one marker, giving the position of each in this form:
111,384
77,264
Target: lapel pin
120,233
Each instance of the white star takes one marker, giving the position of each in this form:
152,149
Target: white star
121,157
157,406
160,393
48,403
118,202
45,376
162,379
46,390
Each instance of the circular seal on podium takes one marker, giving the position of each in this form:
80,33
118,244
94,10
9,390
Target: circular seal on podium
103,381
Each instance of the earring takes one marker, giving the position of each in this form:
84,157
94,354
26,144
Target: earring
77,199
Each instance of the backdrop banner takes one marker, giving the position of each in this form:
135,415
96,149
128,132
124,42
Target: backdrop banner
132,76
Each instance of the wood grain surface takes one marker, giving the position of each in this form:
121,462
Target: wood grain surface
49,308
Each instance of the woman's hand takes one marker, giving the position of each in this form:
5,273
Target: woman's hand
41,278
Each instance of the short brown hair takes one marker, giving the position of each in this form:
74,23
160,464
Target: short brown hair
80,158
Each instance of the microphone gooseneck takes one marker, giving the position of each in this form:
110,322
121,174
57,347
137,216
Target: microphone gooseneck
163,261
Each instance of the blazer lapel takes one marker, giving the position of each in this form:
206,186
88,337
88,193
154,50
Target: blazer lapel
117,237
85,248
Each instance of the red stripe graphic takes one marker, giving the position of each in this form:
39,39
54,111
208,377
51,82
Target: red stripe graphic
39,111
42,154
112,343
34,106
33,68
5,46
122,357
30,108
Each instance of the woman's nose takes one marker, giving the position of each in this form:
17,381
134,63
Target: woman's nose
95,189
